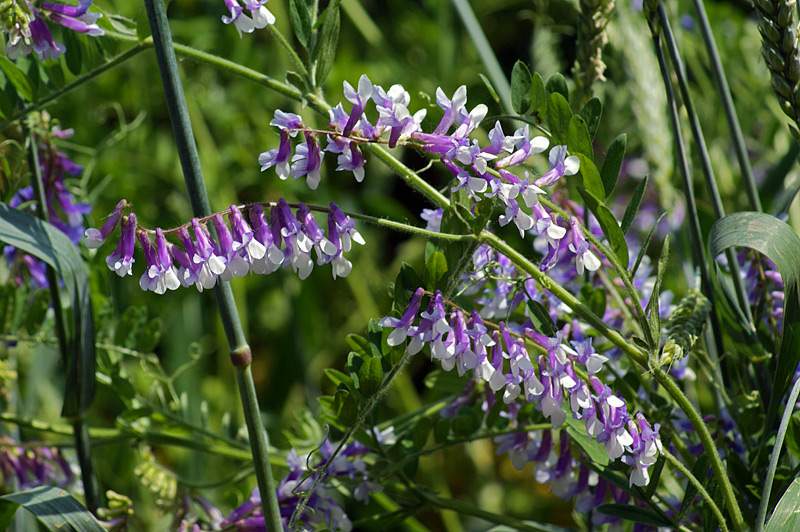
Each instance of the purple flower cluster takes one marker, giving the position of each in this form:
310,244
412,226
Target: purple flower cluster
503,361
320,510
25,29
64,212
483,172
25,467
261,246
259,18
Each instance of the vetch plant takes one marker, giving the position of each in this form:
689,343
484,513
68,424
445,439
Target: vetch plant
541,335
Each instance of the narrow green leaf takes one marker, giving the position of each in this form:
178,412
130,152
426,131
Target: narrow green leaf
301,21
420,434
44,241
406,283
325,50
359,344
337,377
594,450
793,436
781,245
538,98
74,54
699,471
541,319
594,298
558,117
490,88
435,271
55,509
608,224
591,178
345,407
142,25
578,140
635,514
17,78
645,245
633,205
557,84
592,112
652,306
521,88
445,382
613,163
370,377
786,515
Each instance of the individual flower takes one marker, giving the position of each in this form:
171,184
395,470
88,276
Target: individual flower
259,18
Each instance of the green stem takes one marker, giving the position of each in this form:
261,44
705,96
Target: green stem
709,500
296,61
83,446
727,105
705,160
240,351
111,63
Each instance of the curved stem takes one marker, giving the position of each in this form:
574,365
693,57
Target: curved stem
287,47
240,351
709,500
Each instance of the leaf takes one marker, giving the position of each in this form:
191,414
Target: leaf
435,271
699,471
538,98
541,319
613,163
445,382
557,84
521,88
370,377
301,21
645,245
594,298
591,113
17,78
652,306
578,141
325,50
634,513
558,117
142,25
591,178
420,434
337,377
44,241
793,436
406,283
359,344
73,56
633,205
490,88
786,515
781,245
608,224
54,509
577,431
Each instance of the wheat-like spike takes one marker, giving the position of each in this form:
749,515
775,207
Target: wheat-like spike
777,24
589,65
684,326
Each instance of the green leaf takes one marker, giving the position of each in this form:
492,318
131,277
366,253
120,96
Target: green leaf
538,98
634,513
337,377
370,377
613,163
17,78
441,430
578,141
420,434
652,306
594,298
445,382
490,88
633,205
557,84
466,422
521,88
142,25
793,436
54,509
74,55
594,450
781,245
541,319
591,178
325,50
645,245
608,224
406,283
436,271
151,335
359,344
700,471
345,407
44,241
786,515
591,113
301,21
558,117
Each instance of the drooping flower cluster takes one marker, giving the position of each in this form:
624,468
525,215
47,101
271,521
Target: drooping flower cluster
503,361
25,29
64,212
483,172
29,466
320,510
260,17
262,245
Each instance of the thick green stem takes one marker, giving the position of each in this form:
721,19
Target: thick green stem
709,500
79,429
727,105
190,162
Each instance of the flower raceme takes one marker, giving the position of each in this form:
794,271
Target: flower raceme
269,241
26,31
503,361
482,172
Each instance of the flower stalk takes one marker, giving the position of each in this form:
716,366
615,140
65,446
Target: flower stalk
190,162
